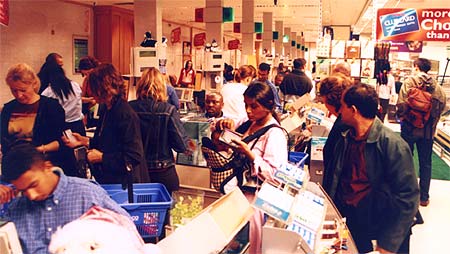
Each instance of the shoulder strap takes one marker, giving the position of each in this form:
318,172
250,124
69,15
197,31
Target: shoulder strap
244,127
258,133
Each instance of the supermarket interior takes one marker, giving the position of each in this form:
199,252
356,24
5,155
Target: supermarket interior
224,126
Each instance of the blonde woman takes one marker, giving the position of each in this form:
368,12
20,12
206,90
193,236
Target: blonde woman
161,128
30,116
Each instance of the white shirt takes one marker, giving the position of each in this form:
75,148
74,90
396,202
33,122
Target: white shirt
233,101
71,105
385,91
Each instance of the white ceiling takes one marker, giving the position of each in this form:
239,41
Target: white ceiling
307,16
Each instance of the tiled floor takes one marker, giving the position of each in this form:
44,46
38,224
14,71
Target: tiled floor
434,235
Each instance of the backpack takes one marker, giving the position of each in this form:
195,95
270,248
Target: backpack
418,101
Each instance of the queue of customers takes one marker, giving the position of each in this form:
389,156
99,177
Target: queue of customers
360,153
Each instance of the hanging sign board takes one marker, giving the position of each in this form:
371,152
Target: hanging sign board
413,24
175,35
233,44
406,46
4,12
199,39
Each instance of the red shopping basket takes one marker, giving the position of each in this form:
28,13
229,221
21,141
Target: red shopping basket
148,210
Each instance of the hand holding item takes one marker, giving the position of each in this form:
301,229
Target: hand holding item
77,141
6,194
242,147
225,124
95,156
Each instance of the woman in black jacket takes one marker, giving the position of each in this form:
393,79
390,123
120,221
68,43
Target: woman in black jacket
161,128
117,143
30,116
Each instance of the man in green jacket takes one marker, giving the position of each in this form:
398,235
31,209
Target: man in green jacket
374,184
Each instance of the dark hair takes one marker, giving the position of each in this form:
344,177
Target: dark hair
44,72
264,67
332,88
51,58
19,159
299,63
423,64
263,94
365,99
58,81
106,80
87,63
186,64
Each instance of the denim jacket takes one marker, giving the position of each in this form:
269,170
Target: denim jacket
161,130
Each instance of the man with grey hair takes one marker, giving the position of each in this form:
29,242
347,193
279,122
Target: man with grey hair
343,68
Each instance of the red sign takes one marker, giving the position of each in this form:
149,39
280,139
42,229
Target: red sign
406,46
233,44
199,39
236,27
4,12
175,35
259,36
199,14
413,24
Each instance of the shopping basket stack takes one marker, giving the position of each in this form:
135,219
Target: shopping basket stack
149,207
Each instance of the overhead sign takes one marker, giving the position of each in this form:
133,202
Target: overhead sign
406,46
233,44
175,35
199,39
4,12
413,24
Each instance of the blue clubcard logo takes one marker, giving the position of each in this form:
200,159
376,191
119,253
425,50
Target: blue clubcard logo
399,22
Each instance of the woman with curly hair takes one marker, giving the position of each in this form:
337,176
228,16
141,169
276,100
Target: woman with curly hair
117,143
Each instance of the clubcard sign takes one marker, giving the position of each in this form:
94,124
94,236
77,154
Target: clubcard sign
413,24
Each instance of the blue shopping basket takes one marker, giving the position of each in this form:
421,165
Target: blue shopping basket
148,210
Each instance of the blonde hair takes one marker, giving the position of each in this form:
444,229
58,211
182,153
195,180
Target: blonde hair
23,73
151,85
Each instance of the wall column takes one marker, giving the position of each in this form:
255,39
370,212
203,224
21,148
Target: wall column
213,21
279,41
267,33
147,17
248,30
293,49
287,45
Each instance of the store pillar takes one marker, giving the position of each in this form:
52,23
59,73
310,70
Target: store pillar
293,48
267,32
248,32
279,41
147,17
214,22
299,50
287,45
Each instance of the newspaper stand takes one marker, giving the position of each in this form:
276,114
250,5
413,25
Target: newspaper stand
303,219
